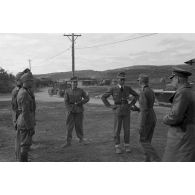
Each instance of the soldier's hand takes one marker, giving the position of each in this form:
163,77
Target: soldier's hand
113,107
32,132
15,126
135,108
79,104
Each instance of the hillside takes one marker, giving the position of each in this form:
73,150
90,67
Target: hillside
132,72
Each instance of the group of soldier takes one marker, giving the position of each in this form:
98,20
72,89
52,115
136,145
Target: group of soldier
180,120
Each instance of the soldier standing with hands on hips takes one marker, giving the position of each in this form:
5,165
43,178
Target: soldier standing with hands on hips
121,108
74,99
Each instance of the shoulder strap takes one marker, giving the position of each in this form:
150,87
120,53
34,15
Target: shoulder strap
29,93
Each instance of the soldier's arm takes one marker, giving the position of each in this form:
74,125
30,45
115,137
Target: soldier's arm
135,96
85,97
66,98
14,99
107,95
34,102
25,106
176,116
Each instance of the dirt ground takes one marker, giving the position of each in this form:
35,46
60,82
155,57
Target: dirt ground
98,128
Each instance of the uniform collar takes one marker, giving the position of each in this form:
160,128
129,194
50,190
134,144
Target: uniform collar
74,89
25,88
120,86
186,85
144,86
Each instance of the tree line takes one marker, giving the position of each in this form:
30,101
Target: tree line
7,81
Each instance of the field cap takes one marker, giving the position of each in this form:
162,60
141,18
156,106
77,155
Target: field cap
19,75
26,70
121,75
27,77
180,72
75,78
143,78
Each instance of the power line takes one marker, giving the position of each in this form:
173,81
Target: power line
58,54
100,45
116,42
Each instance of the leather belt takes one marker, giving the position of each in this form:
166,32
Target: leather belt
120,103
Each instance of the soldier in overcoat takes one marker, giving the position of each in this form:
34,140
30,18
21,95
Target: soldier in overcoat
181,120
14,105
26,118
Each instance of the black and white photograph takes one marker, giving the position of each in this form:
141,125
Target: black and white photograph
97,97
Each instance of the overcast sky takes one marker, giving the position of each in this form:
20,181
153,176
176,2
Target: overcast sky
159,49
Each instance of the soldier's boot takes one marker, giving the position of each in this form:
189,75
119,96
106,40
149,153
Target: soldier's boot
24,157
147,158
83,141
127,148
118,149
66,145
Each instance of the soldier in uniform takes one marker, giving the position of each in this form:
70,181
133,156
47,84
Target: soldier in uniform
31,93
181,120
121,108
26,120
147,118
14,104
74,99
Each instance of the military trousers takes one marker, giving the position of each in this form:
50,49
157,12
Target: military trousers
119,122
23,143
147,126
74,120
149,152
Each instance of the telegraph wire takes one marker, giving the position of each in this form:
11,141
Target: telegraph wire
100,45
116,42
55,56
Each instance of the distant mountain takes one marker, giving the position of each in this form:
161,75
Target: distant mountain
132,72
67,75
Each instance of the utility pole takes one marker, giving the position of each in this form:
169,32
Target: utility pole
72,38
29,61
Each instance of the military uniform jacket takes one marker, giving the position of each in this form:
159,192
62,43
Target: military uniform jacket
14,104
181,120
147,115
74,100
26,119
121,99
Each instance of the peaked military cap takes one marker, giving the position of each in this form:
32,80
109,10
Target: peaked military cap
190,62
144,78
75,78
121,75
180,72
19,75
27,77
